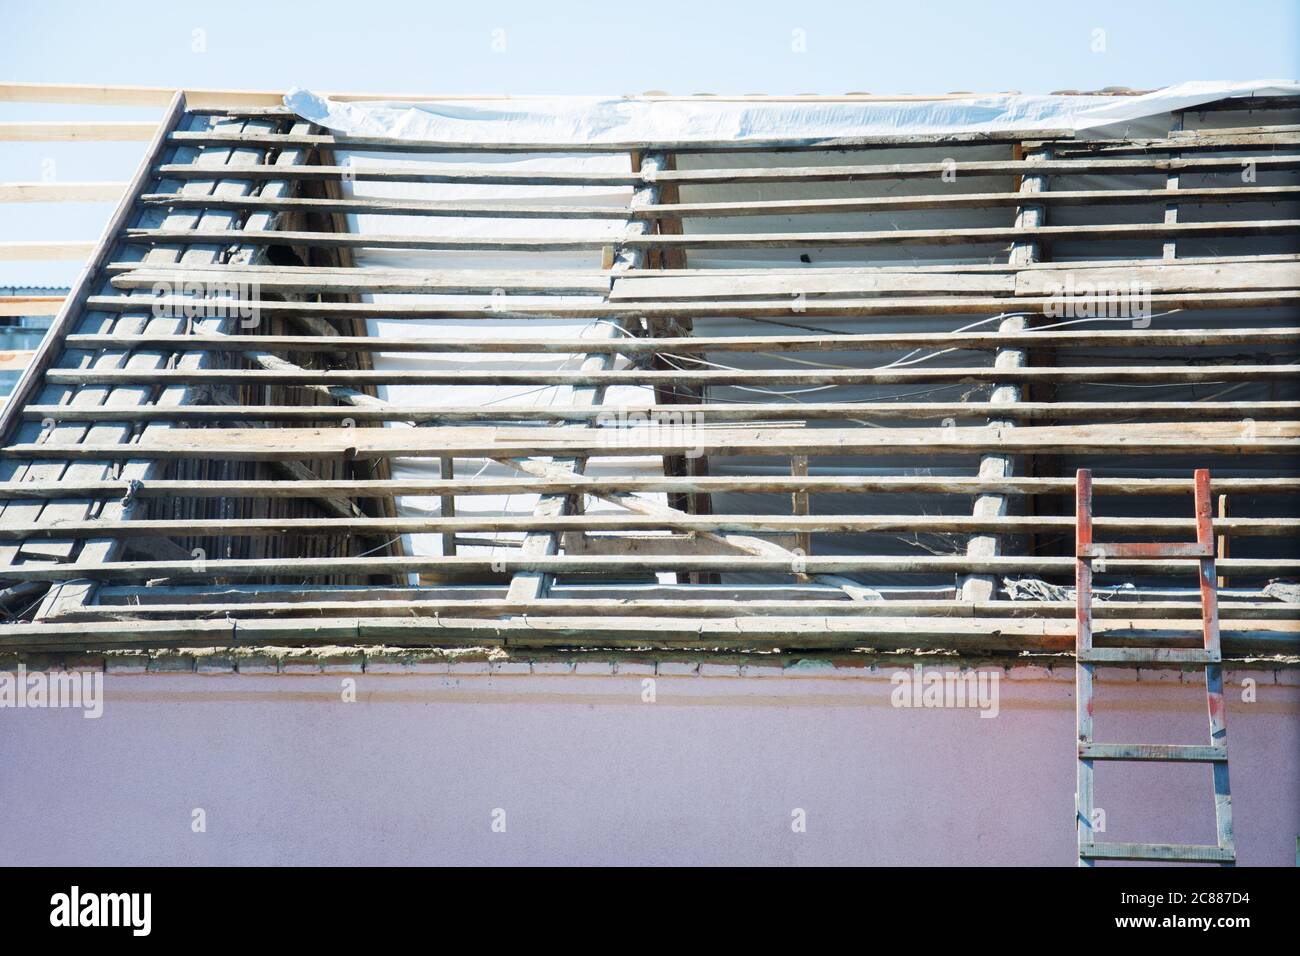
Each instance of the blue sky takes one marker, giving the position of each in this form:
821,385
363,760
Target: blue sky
589,47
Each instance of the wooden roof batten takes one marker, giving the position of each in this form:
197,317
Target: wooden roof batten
153,443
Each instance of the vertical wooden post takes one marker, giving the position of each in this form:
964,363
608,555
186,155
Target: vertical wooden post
799,506
447,507
1171,209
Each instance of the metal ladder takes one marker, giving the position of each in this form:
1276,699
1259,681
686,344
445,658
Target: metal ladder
1210,657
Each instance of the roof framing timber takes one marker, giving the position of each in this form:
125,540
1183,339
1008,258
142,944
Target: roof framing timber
957,371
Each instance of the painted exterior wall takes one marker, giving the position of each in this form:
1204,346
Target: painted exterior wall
588,772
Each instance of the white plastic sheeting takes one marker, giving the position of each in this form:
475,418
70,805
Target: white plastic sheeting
598,120
504,328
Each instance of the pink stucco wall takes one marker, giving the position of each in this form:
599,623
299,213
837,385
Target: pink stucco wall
587,772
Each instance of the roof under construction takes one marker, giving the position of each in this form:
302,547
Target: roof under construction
779,394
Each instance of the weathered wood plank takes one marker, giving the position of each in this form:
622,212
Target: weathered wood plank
62,131
770,174
32,250
703,240
755,484
814,342
61,192
769,524
629,376
673,414
376,206
346,281
184,603
316,567
261,444
781,308
333,141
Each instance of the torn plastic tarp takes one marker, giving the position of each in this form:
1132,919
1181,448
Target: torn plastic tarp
618,120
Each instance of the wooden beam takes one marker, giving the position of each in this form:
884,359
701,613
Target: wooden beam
293,375
43,251
376,206
370,281
474,441
799,523
16,359
728,144
61,192
749,484
61,131
766,174
768,634
750,273
205,98
316,567
218,606
1096,305
109,95
707,240
674,413
1279,337
16,305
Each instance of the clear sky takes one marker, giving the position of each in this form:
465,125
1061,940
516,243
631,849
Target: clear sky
594,47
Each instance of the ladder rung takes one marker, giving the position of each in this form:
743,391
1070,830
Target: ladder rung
1140,550
1186,753
1158,852
1148,655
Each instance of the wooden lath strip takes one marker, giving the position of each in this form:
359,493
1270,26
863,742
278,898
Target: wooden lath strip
678,412
303,279
207,99
1094,304
752,273
1241,275
731,145
216,605
62,131
16,305
39,250
800,523
473,441
522,210
1215,139
775,174
972,339
316,567
937,237
749,484
61,192
292,375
